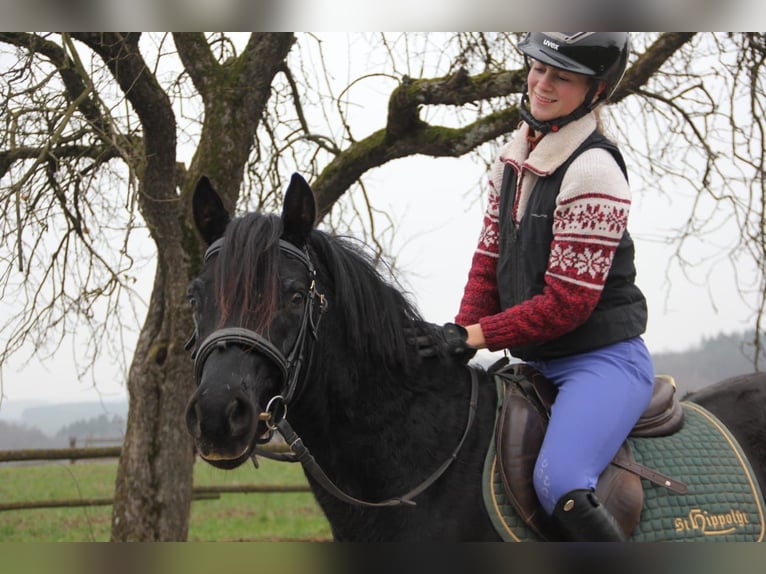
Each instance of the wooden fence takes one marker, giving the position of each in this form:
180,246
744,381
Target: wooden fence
72,454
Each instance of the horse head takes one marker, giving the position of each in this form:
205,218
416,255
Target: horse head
256,308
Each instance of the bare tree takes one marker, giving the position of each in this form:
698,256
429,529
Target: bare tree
702,120
106,135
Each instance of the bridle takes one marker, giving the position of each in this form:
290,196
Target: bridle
275,415
289,365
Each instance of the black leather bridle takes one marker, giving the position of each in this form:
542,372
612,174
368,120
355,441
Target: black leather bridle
290,368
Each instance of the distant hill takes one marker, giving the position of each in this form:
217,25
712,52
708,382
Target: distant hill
51,418
101,427
713,360
13,411
15,436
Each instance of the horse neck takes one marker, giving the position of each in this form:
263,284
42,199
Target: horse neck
372,420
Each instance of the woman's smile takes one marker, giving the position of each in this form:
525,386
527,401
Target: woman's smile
554,93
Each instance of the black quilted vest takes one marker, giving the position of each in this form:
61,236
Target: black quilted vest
524,250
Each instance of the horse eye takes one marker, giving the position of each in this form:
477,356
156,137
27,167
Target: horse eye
297,299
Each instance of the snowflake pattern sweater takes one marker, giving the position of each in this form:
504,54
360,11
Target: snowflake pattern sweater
589,221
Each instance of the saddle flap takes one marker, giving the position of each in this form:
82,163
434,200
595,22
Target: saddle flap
621,492
520,431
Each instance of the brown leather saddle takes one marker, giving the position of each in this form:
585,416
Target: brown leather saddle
521,425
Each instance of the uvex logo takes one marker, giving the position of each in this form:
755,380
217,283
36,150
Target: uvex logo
550,44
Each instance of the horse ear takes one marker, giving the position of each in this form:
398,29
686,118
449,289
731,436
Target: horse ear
210,216
298,211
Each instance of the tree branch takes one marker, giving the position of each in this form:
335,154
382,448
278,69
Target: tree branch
323,142
152,105
650,62
237,94
454,90
76,85
378,149
98,153
197,59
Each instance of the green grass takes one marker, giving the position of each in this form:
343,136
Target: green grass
250,516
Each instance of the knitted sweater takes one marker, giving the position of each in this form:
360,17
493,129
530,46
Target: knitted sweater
589,220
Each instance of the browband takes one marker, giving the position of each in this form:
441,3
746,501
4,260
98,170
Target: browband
285,246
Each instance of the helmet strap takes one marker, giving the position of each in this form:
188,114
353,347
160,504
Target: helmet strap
556,124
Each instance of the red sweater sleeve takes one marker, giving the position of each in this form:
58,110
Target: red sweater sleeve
480,296
557,310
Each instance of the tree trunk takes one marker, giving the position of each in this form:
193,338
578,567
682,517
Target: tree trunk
154,475
154,479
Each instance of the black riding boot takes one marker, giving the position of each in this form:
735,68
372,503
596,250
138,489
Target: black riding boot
582,518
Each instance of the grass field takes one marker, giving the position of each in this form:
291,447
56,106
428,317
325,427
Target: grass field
250,516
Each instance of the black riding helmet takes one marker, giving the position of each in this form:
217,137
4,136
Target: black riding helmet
602,56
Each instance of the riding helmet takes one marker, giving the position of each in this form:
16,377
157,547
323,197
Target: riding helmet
600,55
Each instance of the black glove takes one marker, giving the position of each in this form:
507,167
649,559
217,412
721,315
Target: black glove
449,339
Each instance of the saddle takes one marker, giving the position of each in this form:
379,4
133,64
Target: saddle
527,398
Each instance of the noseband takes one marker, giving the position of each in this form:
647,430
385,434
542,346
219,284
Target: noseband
289,366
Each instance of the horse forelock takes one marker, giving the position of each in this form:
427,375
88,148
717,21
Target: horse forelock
247,271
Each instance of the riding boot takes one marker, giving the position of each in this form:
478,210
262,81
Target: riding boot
582,518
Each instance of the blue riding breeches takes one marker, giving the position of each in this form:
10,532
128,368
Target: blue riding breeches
601,395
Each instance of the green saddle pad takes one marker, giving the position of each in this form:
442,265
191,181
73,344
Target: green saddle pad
724,501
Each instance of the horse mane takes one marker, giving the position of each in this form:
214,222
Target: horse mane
374,313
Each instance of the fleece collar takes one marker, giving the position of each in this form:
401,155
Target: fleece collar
552,150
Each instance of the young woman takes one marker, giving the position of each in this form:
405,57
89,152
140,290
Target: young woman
552,279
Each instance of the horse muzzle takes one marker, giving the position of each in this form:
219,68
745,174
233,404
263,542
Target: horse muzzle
224,426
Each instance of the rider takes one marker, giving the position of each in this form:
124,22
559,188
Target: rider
552,279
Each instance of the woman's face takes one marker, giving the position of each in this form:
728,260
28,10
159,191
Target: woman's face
553,92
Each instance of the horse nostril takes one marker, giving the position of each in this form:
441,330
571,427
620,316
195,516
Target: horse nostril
239,415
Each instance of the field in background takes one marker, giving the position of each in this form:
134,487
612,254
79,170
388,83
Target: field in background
250,516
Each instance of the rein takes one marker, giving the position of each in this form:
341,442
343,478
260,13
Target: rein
290,367
311,466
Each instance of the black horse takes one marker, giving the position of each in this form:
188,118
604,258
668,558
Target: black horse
298,331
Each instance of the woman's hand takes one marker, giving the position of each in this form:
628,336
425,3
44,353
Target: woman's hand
449,339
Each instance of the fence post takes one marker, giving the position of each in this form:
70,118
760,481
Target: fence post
72,445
